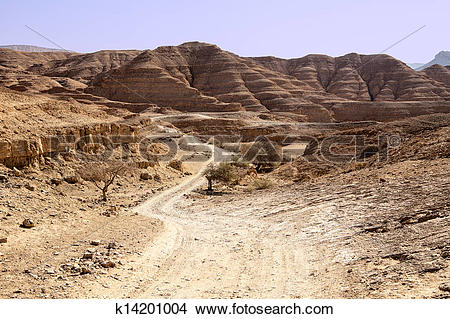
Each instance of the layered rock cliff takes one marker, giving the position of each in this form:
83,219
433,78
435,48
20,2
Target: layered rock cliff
360,77
201,77
439,73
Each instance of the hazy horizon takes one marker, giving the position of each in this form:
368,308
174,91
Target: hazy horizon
285,29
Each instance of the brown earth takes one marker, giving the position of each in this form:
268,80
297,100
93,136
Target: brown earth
306,229
365,233
201,77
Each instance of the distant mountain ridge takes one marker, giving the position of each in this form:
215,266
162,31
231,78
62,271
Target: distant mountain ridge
29,48
201,77
442,58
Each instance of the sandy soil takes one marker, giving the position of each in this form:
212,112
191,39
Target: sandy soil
379,232
344,237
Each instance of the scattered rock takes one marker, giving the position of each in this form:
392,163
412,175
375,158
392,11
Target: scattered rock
27,223
445,254
108,264
157,178
376,229
30,187
95,242
16,172
444,287
75,269
72,179
56,181
3,178
85,270
112,245
3,240
431,267
145,176
176,164
88,255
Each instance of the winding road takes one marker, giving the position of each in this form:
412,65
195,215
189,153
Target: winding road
212,253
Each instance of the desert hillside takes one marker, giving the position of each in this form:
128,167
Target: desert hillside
189,171
202,77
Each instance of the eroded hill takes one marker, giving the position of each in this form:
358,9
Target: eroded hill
202,77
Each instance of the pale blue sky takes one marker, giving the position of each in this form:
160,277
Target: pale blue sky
248,28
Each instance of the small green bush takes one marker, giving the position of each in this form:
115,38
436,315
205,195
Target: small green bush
224,172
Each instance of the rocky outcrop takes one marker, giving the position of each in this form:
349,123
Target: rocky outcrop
360,77
201,77
439,73
84,67
153,78
20,152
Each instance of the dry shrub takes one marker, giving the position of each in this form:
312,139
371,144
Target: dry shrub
102,174
263,183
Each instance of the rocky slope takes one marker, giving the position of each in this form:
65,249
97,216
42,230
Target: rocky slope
83,67
201,77
360,77
182,77
439,73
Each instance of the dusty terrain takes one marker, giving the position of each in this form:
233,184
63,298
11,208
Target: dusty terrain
197,76
318,229
374,232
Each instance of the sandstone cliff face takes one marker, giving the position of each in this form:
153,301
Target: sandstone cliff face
28,152
83,67
153,78
439,73
201,77
360,77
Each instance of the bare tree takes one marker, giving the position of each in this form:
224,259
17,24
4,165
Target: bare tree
102,175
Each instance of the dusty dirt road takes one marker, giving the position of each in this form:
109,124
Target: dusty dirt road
348,236
217,254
